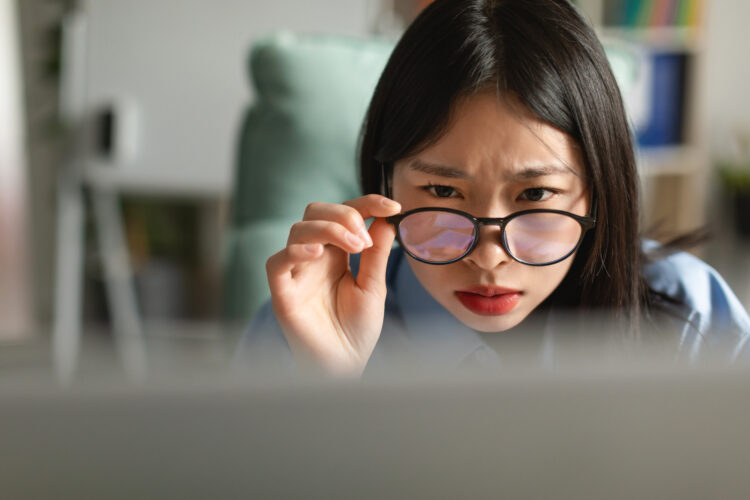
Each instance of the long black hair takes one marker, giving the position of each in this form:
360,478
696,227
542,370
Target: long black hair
544,54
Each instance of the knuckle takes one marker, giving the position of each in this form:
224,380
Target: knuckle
333,230
295,229
311,208
271,263
353,219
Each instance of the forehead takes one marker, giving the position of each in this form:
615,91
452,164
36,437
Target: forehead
495,138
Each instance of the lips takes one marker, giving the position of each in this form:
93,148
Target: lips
489,300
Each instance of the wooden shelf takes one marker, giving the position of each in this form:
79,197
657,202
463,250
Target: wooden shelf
664,38
670,160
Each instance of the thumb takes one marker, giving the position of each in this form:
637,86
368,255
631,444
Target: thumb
374,260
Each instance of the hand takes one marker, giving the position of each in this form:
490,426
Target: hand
332,320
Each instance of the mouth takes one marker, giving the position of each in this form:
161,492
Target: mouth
489,300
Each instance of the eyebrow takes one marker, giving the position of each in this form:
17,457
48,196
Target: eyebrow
525,173
439,170
539,171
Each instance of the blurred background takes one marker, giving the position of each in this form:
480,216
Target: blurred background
131,135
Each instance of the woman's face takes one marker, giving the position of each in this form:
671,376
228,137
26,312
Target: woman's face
493,161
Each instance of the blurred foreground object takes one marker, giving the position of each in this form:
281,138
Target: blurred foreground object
15,275
616,430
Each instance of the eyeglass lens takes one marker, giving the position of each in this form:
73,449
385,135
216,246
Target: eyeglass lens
536,238
436,236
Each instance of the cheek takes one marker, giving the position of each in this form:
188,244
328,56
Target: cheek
540,282
410,197
438,280
544,280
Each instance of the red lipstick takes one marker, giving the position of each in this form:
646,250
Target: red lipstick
489,300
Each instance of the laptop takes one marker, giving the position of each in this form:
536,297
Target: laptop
629,429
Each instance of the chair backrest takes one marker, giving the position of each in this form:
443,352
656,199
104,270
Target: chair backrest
297,145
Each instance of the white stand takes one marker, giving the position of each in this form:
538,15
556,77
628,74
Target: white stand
67,327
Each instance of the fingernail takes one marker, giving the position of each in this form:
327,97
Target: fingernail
389,203
354,240
311,248
365,236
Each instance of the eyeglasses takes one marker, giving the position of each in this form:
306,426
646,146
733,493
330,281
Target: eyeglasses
538,237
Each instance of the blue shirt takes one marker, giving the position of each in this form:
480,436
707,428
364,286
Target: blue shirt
706,319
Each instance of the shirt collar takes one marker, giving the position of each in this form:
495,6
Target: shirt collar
442,338
432,329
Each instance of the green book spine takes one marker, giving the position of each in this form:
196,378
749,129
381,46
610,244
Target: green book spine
646,13
683,13
632,7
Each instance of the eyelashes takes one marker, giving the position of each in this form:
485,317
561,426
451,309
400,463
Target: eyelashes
538,194
533,194
440,190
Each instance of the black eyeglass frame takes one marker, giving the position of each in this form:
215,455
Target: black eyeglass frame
586,223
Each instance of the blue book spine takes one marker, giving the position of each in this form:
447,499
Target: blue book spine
665,124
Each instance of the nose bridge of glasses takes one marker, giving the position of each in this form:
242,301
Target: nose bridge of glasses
491,221
494,228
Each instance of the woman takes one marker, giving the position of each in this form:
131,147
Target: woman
496,148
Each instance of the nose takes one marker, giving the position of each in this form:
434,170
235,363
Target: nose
489,252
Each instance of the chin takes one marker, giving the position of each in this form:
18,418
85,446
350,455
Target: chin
491,326
488,324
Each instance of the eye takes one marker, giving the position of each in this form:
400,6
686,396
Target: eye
440,191
537,194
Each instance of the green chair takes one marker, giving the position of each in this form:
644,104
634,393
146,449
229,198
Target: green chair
297,145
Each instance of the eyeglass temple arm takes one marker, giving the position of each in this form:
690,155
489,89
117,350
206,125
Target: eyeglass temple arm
594,206
385,187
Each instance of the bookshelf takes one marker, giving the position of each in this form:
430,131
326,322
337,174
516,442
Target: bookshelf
673,155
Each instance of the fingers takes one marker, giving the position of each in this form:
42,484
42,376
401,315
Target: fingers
280,265
342,226
352,214
328,233
374,260
374,205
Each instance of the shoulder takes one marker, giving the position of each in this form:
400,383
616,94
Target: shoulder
683,277
711,306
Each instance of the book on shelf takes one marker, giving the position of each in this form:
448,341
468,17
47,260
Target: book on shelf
666,100
652,13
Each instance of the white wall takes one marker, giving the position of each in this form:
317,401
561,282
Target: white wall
727,71
14,271
180,65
